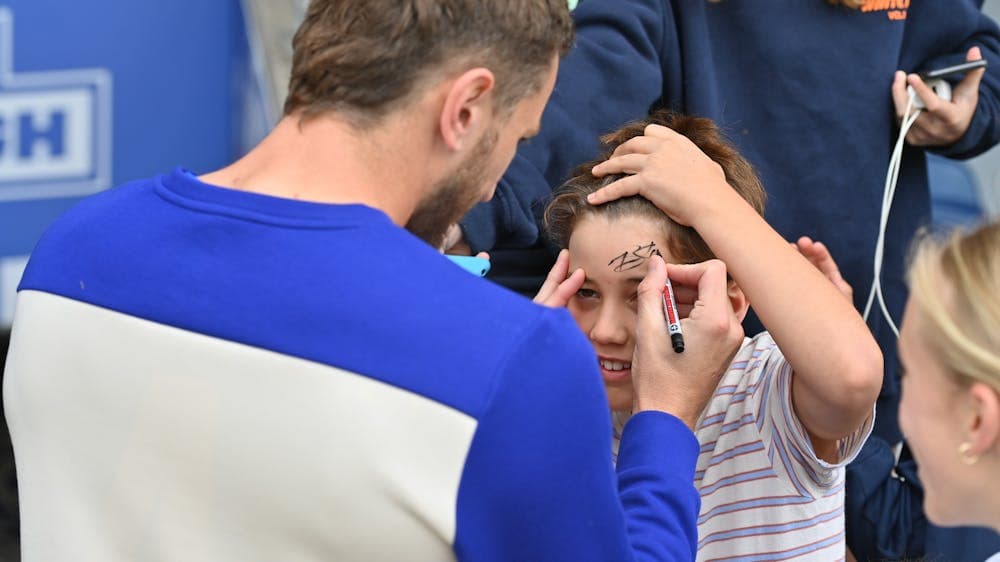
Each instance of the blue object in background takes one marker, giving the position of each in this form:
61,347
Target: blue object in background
954,194
93,94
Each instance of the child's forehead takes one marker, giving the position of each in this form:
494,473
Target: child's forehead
633,257
598,230
616,245
618,223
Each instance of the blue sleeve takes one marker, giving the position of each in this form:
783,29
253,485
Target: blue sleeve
539,483
613,75
977,29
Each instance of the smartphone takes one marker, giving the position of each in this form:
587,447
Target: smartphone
949,70
474,265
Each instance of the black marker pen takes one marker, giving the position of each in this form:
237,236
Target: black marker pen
673,322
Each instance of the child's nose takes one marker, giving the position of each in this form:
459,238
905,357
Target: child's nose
609,328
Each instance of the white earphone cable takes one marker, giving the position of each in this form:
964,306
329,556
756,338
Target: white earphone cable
892,175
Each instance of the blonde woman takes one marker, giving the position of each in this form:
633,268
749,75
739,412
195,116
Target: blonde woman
950,350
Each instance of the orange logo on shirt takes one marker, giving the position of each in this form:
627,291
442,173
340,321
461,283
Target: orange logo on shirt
894,9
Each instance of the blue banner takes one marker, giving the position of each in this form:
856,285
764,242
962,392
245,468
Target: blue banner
93,94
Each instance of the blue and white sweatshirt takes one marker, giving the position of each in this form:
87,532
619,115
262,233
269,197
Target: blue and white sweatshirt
198,373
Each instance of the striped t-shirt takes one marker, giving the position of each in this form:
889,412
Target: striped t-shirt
765,495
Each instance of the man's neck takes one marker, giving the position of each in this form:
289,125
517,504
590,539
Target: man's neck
325,160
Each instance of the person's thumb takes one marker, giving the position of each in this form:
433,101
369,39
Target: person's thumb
968,88
650,305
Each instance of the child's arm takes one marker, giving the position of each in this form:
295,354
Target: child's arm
837,364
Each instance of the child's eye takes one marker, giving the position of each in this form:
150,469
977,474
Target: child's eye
633,301
585,293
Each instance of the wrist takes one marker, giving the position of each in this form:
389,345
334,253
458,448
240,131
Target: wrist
723,213
684,412
717,202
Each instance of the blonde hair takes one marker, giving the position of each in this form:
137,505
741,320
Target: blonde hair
955,282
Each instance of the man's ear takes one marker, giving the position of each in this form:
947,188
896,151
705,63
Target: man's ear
467,106
984,426
738,299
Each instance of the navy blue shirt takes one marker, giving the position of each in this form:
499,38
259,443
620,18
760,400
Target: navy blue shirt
802,87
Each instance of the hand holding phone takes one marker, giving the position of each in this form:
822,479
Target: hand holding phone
935,80
951,70
951,100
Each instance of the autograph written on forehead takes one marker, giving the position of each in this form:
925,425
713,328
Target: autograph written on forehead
633,259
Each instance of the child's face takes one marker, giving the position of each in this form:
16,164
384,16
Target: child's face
614,255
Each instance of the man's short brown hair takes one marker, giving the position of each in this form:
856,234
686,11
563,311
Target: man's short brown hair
363,57
569,203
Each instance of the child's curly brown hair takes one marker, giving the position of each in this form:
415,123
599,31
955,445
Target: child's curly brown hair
569,202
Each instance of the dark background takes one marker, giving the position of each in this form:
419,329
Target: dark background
8,481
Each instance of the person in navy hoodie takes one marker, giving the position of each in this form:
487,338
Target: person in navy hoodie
809,90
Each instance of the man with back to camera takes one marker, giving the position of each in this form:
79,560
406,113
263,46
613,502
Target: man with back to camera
247,364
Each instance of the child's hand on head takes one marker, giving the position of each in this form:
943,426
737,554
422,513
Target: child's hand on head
666,168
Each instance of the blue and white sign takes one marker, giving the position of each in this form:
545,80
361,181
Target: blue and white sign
55,128
94,94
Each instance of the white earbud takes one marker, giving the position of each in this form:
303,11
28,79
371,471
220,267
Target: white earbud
941,88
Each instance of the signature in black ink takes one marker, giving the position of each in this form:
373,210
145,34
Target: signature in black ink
635,258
